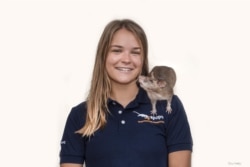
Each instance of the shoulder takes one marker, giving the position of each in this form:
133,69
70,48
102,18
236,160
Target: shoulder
79,108
178,111
78,114
177,103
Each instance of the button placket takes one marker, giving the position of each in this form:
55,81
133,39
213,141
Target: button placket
122,120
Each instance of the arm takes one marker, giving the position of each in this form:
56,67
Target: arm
71,165
179,138
72,153
180,159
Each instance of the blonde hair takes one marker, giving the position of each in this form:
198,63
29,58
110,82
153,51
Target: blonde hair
100,89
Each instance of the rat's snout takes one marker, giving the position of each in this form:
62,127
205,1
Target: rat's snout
141,78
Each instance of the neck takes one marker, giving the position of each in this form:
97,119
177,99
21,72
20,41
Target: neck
124,94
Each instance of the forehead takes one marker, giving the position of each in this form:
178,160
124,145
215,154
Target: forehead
125,37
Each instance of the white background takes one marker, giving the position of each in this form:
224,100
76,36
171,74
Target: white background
47,50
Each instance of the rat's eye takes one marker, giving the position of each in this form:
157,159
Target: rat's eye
153,80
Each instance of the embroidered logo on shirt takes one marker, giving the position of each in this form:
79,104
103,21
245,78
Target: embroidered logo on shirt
150,118
63,142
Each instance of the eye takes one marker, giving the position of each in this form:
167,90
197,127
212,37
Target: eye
136,52
116,50
151,80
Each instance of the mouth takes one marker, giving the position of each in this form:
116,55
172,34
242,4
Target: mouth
124,69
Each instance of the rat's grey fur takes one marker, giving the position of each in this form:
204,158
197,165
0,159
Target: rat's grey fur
159,85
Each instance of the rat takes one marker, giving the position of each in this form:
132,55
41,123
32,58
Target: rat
159,85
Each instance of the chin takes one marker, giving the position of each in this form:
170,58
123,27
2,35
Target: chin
125,82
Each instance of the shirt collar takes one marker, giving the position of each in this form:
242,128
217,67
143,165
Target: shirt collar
141,97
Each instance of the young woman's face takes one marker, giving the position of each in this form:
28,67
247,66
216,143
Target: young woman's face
125,58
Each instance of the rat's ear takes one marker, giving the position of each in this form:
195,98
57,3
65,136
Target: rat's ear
151,74
161,84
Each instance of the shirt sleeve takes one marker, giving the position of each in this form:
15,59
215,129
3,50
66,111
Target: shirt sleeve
72,144
178,130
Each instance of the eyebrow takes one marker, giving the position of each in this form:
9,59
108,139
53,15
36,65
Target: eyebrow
118,46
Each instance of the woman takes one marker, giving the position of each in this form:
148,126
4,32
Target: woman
113,127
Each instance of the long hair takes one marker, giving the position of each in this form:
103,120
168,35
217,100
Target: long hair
100,88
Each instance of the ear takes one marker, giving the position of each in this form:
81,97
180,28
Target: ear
151,74
161,84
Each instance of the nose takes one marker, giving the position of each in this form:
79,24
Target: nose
126,57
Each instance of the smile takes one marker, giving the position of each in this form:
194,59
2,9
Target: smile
124,69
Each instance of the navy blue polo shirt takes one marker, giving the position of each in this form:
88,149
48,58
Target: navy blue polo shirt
132,136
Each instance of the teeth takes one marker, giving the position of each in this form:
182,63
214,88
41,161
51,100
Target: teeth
124,69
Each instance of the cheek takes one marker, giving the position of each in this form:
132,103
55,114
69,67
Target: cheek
111,59
138,61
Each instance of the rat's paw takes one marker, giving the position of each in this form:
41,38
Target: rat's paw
153,112
169,109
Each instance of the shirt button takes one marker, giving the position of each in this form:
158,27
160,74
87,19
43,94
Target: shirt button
120,112
114,103
123,122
